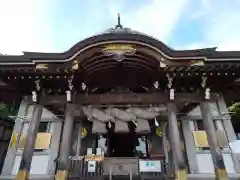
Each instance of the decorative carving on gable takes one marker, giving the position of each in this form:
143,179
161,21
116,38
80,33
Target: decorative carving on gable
197,63
42,66
75,65
118,51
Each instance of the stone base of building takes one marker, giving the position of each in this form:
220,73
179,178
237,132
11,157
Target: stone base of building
234,176
31,177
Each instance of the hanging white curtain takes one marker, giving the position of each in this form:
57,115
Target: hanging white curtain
143,126
98,127
121,126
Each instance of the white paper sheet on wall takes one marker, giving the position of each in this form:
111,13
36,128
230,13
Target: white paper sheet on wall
235,146
149,166
89,151
91,166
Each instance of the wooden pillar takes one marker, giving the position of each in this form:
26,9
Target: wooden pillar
180,166
220,170
94,145
79,140
65,147
25,164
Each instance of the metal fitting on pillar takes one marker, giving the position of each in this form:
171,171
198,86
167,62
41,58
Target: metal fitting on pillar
35,93
207,94
34,96
171,90
69,96
156,85
171,95
70,87
83,86
207,90
204,81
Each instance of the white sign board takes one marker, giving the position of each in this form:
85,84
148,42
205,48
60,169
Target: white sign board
91,166
235,146
149,166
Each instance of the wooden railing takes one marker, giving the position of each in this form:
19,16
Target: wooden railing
80,169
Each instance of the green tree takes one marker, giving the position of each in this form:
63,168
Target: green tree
4,109
235,111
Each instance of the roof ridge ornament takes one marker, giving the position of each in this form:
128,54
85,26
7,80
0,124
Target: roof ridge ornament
118,26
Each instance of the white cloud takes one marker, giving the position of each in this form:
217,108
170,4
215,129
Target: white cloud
221,24
156,18
225,28
23,27
191,46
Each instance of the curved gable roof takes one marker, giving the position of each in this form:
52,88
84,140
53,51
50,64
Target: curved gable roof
122,36
125,35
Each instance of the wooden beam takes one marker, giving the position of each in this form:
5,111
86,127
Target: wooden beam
187,108
125,99
231,96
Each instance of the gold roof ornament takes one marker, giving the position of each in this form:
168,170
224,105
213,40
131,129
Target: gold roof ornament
119,26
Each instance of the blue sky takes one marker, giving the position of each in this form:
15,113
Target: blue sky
56,25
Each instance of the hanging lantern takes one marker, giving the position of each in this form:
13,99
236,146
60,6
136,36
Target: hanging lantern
159,131
84,133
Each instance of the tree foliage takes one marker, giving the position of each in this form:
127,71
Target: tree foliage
3,107
235,110
7,110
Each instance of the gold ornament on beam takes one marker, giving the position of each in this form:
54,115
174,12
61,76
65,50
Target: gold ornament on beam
75,65
197,63
42,66
118,51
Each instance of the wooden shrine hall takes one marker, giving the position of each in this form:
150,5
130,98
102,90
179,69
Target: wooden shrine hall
122,104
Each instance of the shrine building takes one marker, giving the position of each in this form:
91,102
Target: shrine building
119,104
